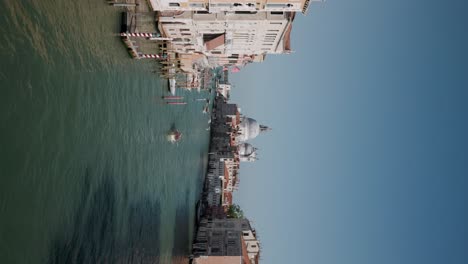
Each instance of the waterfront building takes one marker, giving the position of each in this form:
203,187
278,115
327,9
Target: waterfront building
216,6
213,189
226,241
224,89
232,38
228,148
221,180
203,34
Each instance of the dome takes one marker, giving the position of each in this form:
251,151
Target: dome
245,149
248,129
247,152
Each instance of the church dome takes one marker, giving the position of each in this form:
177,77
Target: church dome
248,129
247,152
245,149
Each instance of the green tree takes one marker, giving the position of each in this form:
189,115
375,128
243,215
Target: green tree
234,211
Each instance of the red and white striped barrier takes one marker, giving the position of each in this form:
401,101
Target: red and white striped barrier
140,35
150,56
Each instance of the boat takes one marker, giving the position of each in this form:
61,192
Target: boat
172,80
206,109
172,85
174,136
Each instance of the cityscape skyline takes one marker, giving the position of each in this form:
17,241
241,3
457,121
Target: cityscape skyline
169,157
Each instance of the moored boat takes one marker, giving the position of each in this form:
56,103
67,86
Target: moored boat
172,80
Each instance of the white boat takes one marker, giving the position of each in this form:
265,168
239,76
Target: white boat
172,80
206,108
174,136
172,86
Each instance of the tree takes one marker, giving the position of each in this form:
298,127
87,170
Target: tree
234,211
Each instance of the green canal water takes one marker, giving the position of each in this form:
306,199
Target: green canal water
86,173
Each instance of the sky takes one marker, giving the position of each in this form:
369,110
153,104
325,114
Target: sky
367,160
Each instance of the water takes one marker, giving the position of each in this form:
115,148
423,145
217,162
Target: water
86,173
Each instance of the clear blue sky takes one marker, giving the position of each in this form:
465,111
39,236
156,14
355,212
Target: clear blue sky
367,162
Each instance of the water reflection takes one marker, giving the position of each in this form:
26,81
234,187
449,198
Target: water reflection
183,235
96,237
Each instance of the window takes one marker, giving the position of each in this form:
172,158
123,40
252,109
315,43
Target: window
279,5
172,23
276,13
275,5
174,4
198,5
246,12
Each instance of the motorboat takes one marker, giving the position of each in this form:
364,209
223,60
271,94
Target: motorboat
206,109
174,136
172,86
172,80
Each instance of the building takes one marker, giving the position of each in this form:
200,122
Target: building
216,6
203,34
249,129
228,148
232,38
225,241
224,89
